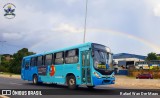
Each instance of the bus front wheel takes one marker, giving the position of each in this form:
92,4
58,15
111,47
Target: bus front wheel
71,82
90,87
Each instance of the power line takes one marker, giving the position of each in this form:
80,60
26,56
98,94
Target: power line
85,23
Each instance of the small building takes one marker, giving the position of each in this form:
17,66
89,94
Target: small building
125,60
158,55
7,57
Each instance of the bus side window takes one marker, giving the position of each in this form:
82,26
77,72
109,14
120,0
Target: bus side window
33,61
48,59
71,56
40,61
59,58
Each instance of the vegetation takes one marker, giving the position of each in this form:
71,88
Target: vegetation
152,56
14,65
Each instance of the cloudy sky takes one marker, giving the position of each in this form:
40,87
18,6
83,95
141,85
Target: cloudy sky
126,26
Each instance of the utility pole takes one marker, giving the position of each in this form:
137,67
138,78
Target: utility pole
1,50
85,23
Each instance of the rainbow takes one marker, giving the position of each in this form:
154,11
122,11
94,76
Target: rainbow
156,48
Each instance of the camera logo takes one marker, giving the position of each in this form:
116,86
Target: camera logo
6,92
9,10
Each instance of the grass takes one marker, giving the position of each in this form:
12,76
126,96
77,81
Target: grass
8,73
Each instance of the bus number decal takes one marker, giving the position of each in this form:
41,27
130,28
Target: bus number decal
101,66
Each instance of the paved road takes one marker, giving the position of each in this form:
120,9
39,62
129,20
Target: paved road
63,91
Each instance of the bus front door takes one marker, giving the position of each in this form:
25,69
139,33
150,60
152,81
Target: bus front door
86,70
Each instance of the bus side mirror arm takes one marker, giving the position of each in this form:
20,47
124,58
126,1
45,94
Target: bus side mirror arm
92,54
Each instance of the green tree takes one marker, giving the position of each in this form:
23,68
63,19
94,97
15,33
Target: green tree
15,64
152,56
4,67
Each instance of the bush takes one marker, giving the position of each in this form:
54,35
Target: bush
3,69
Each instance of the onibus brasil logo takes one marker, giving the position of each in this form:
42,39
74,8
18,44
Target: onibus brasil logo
9,10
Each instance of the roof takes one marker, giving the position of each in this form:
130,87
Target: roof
58,50
158,54
62,49
127,55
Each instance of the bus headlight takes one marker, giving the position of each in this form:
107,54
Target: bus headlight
97,75
112,75
96,64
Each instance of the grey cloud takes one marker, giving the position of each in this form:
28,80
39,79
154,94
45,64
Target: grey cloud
53,24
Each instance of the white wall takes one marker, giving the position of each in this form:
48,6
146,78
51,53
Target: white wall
127,59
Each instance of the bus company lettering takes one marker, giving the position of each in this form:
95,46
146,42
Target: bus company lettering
15,92
34,93
19,92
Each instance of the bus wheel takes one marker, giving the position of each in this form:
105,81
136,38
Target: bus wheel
71,82
90,87
141,68
35,79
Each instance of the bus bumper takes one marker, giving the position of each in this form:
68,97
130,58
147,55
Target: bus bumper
103,81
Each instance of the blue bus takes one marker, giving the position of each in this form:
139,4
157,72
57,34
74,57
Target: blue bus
88,64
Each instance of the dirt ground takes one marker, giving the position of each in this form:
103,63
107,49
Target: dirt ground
121,82
133,83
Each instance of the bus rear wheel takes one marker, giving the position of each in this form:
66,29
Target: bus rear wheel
71,82
35,80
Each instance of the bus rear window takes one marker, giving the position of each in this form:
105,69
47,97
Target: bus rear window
26,64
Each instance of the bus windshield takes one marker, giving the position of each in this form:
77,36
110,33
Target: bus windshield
102,58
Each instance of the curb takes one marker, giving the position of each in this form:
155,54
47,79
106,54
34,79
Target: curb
7,76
